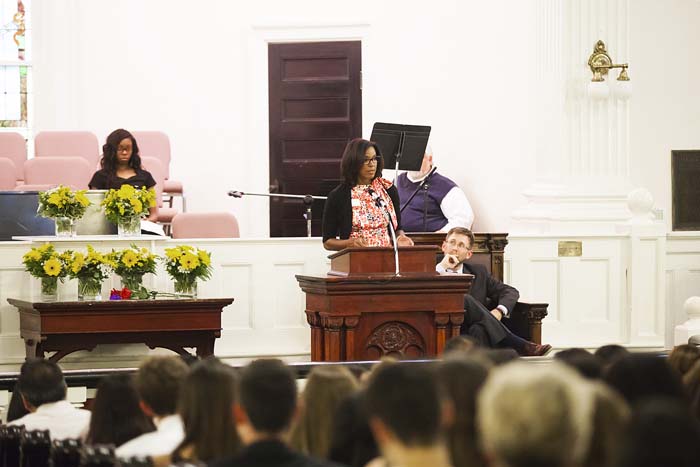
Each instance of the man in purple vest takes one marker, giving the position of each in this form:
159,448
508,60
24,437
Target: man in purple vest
438,203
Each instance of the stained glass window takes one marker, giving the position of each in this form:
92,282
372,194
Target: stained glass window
15,65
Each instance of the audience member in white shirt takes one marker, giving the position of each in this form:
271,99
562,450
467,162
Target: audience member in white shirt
43,390
158,382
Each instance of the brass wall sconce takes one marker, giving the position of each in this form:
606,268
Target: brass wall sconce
600,63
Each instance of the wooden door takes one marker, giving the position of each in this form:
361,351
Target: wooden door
315,103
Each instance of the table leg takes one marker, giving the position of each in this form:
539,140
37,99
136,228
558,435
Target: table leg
205,348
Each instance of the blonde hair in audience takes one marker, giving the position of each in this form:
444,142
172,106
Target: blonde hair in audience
325,389
609,420
534,415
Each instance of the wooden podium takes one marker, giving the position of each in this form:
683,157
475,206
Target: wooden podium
363,311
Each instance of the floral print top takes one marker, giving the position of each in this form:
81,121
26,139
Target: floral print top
368,219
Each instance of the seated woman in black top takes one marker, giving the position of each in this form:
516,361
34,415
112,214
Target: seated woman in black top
351,217
121,164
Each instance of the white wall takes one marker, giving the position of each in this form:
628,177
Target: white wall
664,69
185,68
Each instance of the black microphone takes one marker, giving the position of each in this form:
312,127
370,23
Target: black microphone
236,194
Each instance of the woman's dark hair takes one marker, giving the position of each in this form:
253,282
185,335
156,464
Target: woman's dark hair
116,416
109,151
352,442
642,376
461,379
354,158
206,406
587,364
16,408
661,432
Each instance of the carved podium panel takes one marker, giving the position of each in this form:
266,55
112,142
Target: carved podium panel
362,311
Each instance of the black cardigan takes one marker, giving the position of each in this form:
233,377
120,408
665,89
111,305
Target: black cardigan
337,213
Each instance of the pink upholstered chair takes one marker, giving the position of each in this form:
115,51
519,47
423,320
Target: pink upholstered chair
68,144
72,171
157,144
205,225
157,170
37,187
14,147
8,174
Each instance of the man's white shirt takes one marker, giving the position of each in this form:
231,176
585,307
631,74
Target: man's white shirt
60,418
168,435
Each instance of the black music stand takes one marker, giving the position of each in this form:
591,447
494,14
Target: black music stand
402,146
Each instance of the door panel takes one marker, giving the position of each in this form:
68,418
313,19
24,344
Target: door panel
315,108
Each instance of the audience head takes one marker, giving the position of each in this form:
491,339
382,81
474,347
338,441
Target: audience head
609,354
582,361
461,344
353,166
158,383
691,381
683,357
205,405
661,432
16,408
640,376
41,382
532,415
268,396
608,425
325,389
116,416
352,442
120,145
498,356
404,405
461,379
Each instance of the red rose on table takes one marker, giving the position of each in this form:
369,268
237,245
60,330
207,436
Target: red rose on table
126,293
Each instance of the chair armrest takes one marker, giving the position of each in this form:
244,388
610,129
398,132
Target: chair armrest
526,320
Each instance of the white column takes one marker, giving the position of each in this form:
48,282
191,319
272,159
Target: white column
583,162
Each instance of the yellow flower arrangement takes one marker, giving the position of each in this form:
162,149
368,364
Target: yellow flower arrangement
128,202
131,264
134,260
185,264
93,265
63,202
44,261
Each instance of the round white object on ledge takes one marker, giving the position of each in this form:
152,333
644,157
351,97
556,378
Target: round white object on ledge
640,202
598,90
691,307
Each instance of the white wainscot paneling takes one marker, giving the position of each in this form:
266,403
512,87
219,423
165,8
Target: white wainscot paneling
266,318
585,294
682,277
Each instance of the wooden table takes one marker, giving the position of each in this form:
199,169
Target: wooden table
66,327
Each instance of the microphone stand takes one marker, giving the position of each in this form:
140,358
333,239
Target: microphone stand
307,199
380,203
423,182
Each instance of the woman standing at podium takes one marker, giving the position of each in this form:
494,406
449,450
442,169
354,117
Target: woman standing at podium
356,211
121,164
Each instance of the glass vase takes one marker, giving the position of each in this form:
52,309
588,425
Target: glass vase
89,289
49,289
129,226
65,227
132,281
186,287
